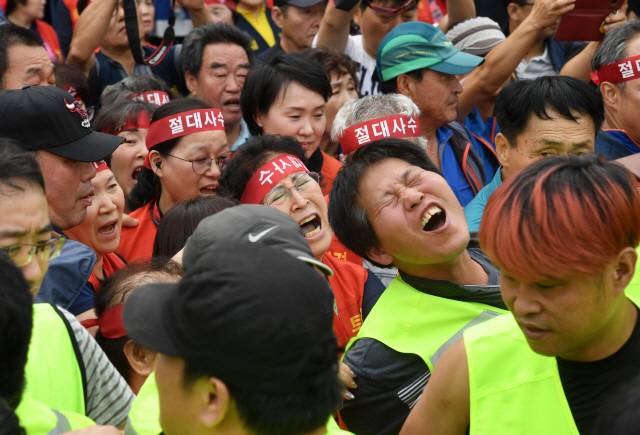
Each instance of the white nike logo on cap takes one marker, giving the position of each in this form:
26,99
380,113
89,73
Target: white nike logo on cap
256,237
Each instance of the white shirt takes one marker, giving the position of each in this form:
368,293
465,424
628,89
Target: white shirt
366,64
536,67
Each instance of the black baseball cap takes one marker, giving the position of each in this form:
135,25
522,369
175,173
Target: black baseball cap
297,3
48,118
249,314
250,223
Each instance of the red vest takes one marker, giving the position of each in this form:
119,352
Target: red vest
110,263
137,243
330,168
347,284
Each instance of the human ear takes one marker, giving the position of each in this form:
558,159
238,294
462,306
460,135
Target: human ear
611,95
379,255
260,118
192,83
502,150
357,16
276,16
216,400
155,161
404,83
139,358
624,269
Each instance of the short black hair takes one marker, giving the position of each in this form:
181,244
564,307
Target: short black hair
11,35
113,292
148,187
264,83
16,323
347,217
280,414
333,61
391,85
520,100
181,221
114,115
254,153
211,33
18,169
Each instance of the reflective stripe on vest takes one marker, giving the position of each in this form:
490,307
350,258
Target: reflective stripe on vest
512,389
53,374
410,321
38,419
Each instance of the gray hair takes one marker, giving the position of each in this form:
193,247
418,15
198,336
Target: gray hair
371,107
211,33
130,86
614,46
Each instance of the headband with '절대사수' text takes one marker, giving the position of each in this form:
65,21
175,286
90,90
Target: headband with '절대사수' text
618,72
398,126
268,175
182,124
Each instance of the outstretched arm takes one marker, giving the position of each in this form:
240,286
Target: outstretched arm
503,59
334,28
457,10
90,29
443,408
198,12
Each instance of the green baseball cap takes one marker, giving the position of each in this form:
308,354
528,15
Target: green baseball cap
416,45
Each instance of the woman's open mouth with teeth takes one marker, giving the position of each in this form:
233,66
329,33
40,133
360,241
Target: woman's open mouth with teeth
311,226
108,229
433,219
135,174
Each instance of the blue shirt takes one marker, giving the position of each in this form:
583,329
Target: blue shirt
473,211
243,137
615,144
451,169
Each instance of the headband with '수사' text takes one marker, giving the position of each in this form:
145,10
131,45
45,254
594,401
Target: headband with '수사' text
398,126
182,124
618,72
268,175
158,98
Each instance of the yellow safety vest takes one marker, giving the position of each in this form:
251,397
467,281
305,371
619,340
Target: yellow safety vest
512,389
633,289
53,373
410,321
144,416
38,419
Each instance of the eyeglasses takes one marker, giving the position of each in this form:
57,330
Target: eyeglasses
303,183
22,255
201,164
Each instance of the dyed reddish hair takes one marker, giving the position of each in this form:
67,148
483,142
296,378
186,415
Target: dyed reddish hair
561,216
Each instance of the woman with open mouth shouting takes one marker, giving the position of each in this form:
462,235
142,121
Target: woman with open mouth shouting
271,170
288,96
100,231
187,149
130,120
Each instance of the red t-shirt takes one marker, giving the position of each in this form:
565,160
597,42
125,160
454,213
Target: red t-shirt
110,263
137,243
330,168
347,284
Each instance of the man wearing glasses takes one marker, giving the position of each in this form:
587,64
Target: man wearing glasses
66,369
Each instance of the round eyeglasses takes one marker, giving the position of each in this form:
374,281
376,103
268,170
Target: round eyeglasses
201,164
21,255
303,183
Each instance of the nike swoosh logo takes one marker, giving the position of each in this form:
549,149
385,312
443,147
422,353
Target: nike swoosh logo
255,237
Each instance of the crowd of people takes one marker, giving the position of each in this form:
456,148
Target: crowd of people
308,217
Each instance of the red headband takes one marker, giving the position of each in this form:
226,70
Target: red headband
172,127
71,90
158,98
618,72
100,166
110,323
268,175
142,121
398,126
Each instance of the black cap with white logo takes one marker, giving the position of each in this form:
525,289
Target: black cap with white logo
48,118
250,223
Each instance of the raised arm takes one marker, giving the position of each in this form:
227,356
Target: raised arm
443,408
334,28
503,59
198,12
90,29
457,10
